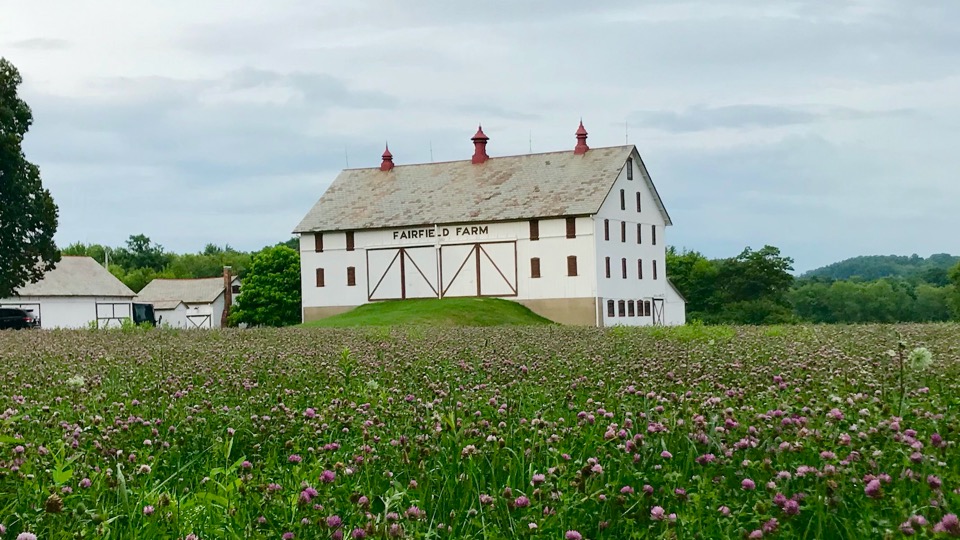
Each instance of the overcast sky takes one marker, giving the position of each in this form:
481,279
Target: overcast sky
828,128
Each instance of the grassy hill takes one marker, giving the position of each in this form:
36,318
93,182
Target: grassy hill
931,269
434,312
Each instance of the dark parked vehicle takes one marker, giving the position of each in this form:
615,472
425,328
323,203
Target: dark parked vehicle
17,319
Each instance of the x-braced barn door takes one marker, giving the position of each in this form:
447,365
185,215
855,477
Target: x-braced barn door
658,317
398,273
481,269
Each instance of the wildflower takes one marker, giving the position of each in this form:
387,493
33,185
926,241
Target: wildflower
246,465
934,482
748,484
626,490
835,415
310,413
724,510
532,526
26,536
755,534
538,479
334,522
771,526
148,510
666,455
85,483
294,458
657,513
791,507
144,469
570,535
920,358
328,476
358,533
486,499
53,505
872,489
521,502
288,536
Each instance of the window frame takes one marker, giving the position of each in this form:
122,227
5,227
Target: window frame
611,308
623,267
639,268
321,277
534,267
606,262
318,242
351,276
623,199
623,232
572,266
631,311
534,230
621,308
629,168
606,230
571,227
639,204
351,241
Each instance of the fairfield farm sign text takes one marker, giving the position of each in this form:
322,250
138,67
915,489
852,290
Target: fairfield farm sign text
440,232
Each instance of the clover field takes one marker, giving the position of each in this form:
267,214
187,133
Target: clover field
527,432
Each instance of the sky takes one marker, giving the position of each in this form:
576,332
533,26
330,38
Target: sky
827,128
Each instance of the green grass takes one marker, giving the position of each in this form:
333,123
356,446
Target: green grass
434,312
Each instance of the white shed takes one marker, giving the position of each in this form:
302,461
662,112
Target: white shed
676,312
77,293
189,303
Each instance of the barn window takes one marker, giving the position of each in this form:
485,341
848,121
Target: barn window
639,234
623,200
630,310
639,268
572,265
638,201
349,240
623,231
320,279
235,289
653,234
351,276
611,309
318,242
630,169
571,227
606,229
535,267
646,308
623,268
607,261
622,308
534,229
654,269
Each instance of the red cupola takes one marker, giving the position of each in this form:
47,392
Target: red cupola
387,163
581,147
480,146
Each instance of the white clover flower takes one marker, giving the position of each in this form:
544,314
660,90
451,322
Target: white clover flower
76,381
920,358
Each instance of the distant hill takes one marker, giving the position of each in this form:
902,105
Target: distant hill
932,269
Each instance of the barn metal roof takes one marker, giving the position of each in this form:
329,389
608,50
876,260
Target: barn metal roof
501,189
188,291
77,276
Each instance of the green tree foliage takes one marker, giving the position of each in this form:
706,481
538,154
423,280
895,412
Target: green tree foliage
28,215
872,267
271,290
955,292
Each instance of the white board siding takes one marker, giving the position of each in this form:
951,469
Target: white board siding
73,312
174,318
631,288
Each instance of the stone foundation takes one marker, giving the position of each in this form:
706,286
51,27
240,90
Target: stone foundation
572,311
317,313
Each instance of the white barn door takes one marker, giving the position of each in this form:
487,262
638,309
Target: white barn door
482,269
398,273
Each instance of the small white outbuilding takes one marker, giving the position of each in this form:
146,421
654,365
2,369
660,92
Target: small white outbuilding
190,303
78,292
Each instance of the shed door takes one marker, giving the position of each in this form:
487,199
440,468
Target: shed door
112,314
481,269
658,316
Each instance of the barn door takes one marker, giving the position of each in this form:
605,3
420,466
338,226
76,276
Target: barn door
658,317
481,269
397,273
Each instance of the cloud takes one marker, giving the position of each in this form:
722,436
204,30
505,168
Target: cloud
700,117
41,44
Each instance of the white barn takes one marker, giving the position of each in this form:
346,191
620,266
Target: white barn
577,236
191,303
78,292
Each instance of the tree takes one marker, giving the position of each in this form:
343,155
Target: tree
271,290
28,215
756,275
955,294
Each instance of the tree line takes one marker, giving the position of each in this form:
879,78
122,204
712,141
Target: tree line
756,287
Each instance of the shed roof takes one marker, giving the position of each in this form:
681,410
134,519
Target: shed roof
503,188
77,276
189,291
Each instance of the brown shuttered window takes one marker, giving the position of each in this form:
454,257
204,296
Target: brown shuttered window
653,234
623,268
606,229
351,276
639,234
318,242
572,265
571,227
630,311
320,280
611,309
654,269
639,268
622,308
607,262
349,240
623,231
630,169
535,267
638,201
646,308
534,229
623,200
